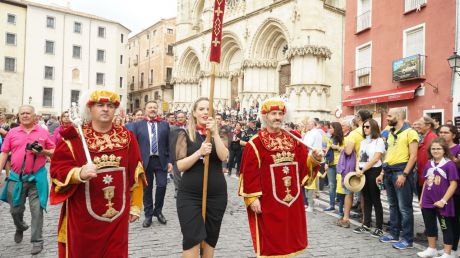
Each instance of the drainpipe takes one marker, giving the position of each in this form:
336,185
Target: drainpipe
454,73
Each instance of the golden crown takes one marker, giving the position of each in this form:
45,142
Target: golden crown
283,157
107,161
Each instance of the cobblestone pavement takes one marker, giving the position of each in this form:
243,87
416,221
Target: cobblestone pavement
325,239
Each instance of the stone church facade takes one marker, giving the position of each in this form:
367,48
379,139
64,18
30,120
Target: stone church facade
288,48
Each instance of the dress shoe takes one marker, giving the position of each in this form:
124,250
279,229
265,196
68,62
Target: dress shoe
36,249
161,218
147,223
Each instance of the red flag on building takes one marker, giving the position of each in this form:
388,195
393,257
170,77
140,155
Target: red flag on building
216,35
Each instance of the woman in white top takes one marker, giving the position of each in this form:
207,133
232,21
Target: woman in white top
369,164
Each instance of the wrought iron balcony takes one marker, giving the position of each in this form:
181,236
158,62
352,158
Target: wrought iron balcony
363,21
361,77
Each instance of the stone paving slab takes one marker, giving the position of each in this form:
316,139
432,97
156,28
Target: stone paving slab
325,238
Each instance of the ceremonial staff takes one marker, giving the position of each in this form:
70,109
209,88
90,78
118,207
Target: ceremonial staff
214,58
77,121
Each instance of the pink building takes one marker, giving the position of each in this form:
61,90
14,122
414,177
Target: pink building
396,56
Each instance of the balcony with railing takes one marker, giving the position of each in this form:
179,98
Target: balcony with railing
409,68
363,21
361,77
410,5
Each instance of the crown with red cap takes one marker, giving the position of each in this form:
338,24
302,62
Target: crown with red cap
103,96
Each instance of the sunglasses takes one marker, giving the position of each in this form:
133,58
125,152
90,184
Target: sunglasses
366,126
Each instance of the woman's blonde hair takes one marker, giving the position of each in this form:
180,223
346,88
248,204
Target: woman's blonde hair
192,121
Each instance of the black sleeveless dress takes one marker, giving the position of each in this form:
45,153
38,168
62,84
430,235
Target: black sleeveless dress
189,195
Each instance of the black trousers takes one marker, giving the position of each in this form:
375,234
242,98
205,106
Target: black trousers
447,225
371,196
235,158
154,171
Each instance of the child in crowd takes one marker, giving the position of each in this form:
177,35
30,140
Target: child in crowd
441,182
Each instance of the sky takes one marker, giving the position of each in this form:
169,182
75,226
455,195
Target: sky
136,15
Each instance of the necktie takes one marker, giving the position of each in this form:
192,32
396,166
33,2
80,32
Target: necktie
154,143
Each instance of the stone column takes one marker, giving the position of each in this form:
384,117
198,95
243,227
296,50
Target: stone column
308,80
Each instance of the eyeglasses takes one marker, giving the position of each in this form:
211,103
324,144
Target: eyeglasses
366,126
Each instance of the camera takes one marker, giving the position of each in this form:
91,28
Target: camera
34,146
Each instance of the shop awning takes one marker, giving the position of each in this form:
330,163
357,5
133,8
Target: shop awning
381,96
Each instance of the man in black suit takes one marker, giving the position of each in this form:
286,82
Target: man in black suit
153,136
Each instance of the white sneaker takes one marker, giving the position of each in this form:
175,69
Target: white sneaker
453,253
444,255
429,252
310,209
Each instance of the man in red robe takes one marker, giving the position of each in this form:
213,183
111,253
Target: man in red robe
99,198
274,168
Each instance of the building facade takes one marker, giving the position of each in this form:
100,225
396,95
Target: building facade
69,53
269,48
150,65
396,56
12,50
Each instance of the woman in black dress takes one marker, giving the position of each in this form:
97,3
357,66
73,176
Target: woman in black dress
190,149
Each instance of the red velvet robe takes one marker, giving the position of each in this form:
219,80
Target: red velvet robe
95,215
274,168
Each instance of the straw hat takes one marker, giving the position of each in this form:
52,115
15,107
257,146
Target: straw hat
354,183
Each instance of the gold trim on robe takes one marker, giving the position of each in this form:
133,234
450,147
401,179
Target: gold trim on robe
73,177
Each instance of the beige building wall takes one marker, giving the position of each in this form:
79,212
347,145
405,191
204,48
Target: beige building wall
151,59
287,48
12,82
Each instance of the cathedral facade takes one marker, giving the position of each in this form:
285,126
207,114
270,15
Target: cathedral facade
287,48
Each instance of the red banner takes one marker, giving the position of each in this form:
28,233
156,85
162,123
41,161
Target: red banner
216,35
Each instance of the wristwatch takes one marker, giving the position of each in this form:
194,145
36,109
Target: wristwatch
405,174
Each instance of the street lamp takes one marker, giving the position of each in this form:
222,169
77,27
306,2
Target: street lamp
454,62
30,99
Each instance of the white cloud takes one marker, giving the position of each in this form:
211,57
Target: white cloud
134,14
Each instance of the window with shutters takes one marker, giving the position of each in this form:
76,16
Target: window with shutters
364,15
77,27
362,74
414,41
11,39
50,22
10,64
11,18
49,73
74,96
49,47
76,52
100,79
168,74
151,76
47,97
100,55
412,64
101,32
